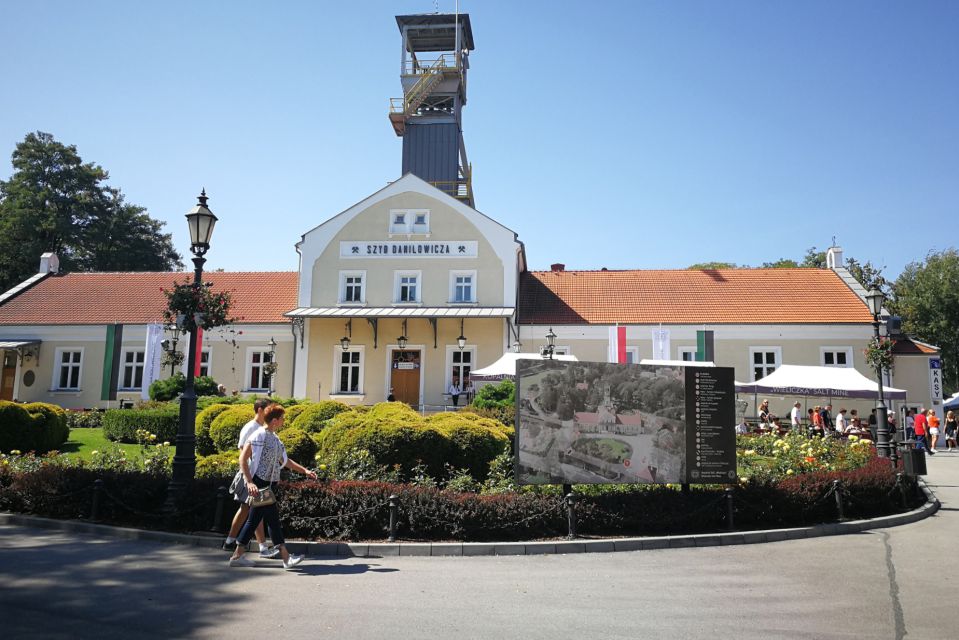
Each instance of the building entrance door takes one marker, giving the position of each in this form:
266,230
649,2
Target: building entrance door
405,376
8,375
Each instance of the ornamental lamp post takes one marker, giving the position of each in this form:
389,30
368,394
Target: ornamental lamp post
201,222
884,447
547,351
461,339
271,367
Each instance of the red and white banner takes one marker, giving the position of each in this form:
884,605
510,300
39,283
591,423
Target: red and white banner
199,351
617,344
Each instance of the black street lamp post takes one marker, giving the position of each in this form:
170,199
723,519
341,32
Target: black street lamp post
884,447
547,351
201,222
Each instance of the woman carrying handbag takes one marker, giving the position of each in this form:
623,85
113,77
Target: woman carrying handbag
262,458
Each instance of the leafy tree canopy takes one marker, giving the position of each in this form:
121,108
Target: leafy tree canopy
713,265
56,202
926,295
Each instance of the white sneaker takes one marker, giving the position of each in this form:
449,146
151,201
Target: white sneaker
242,561
269,552
292,561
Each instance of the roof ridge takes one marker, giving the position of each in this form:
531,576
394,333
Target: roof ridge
753,269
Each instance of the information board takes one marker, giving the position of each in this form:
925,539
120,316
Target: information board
598,422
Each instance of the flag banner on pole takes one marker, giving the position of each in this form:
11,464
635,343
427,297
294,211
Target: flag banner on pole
151,358
704,346
660,344
198,352
617,344
111,362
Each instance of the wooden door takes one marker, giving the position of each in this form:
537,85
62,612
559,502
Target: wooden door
405,376
8,377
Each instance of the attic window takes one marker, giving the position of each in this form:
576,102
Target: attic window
410,221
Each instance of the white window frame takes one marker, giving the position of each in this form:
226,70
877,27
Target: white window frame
778,351
409,226
681,351
450,350
398,276
248,369
849,351
57,358
341,296
338,352
634,351
124,365
463,274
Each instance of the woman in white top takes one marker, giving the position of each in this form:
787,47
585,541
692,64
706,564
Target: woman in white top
261,459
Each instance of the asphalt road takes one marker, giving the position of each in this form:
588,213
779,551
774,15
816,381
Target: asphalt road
890,583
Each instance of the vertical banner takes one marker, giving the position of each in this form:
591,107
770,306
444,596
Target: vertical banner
198,352
704,346
111,362
151,358
617,344
660,344
935,382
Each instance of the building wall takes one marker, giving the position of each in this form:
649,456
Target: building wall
229,350
911,372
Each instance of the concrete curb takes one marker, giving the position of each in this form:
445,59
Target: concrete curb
382,549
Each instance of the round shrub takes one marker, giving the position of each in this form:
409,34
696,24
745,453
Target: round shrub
20,429
120,425
219,465
299,445
474,443
225,428
50,428
291,414
172,387
313,417
204,444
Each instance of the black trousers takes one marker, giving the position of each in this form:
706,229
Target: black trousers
270,514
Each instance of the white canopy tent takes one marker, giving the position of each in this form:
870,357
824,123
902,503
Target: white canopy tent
505,367
822,382
952,402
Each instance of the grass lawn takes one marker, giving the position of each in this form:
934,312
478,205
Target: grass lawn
83,442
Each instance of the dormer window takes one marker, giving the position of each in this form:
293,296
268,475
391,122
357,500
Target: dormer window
410,221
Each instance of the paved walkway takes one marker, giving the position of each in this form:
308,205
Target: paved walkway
899,582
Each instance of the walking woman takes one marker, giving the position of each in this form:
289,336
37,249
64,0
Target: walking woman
951,428
933,421
261,459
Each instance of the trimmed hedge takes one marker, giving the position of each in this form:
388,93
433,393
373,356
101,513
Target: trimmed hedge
300,447
225,428
204,444
37,426
313,417
172,387
218,465
121,425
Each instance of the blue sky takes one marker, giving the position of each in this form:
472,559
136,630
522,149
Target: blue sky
606,134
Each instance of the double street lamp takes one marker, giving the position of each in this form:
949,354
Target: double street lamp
201,222
884,447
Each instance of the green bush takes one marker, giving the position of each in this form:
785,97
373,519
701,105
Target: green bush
84,419
50,426
204,444
225,428
172,387
475,441
313,417
38,427
300,447
219,465
120,425
292,412
495,395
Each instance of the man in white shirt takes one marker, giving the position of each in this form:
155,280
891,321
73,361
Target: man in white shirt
795,417
266,551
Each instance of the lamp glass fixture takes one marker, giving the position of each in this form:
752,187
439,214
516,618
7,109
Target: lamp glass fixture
461,339
345,340
551,338
875,298
201,222
402,340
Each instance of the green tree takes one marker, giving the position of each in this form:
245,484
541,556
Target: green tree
782,263
926,295
868,275
813,258
56,202
712,265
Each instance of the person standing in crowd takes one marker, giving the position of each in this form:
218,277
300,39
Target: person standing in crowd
260,406
826,416
261,460
795,418
910,424
952,427
764,412
841,422
468,391
932,426
919,425
455,391
817,421
742,428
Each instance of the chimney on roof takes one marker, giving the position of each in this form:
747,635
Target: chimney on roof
558,266
49,263
833,258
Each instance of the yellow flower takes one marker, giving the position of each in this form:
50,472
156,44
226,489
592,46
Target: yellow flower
853,438
866,441
749,452
95,452
166,444
744,480
789,472
322,467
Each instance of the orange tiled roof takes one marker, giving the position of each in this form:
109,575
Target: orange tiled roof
711,296
908,346
135,297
